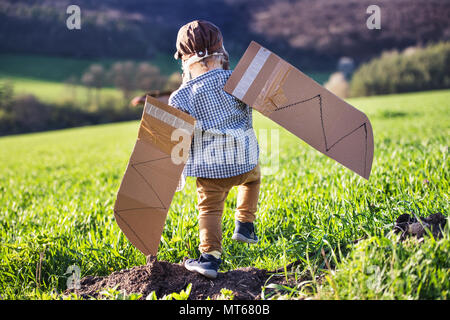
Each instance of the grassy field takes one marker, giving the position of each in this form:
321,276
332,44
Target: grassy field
57,191
45,77
58,92
58,69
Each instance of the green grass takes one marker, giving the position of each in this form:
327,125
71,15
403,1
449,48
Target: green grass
45,76
57,191
59,69
59,92
47,68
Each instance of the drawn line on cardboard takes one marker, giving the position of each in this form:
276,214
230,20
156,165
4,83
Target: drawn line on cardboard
149,186
141,208
323,127
142,162
132,230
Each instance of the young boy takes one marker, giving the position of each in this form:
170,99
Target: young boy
224,151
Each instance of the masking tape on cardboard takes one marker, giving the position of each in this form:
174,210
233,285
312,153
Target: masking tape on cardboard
168,118
272,94
251,73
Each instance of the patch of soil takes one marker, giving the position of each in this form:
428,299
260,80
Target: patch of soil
410,225
165,278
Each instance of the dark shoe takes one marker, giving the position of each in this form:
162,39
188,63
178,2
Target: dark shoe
206,265
244,232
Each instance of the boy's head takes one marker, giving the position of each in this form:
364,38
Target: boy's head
200,48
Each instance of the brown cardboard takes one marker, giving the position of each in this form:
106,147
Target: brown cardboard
151,177
284,94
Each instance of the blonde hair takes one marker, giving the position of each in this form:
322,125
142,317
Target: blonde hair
205,63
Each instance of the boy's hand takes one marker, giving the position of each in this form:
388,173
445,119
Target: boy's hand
137,101
160,95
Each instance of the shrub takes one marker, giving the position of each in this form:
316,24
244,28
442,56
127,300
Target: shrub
29,114
129,76
173,82
20,114
415,69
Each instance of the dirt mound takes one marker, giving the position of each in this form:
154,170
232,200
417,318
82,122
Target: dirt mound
410,225
165,278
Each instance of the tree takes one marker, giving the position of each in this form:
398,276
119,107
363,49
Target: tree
71,85
98,79
94,77
174,82
149,78
88,80
123,76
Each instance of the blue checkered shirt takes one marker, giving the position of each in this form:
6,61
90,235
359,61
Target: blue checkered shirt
224,142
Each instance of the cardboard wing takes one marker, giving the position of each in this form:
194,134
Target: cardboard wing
283,93
152,175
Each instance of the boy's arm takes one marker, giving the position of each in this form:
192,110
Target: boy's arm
155,94
138,100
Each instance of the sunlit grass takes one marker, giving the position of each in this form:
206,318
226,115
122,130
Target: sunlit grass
57,191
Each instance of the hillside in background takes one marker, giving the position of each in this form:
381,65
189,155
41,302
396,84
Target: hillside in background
312,34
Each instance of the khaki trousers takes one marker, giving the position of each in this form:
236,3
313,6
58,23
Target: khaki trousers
212,193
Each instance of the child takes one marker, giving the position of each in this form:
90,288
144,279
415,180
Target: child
224,151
